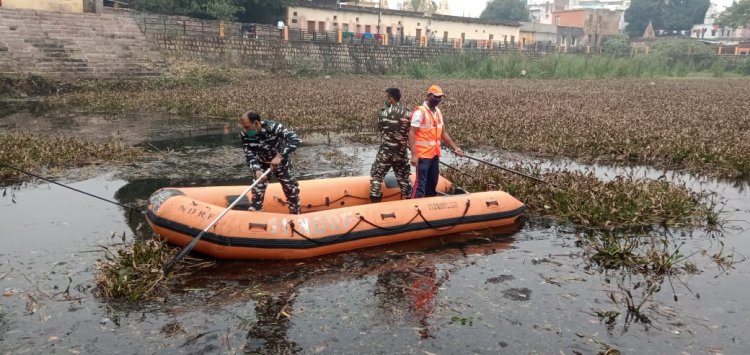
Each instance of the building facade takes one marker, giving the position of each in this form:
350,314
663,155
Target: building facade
55,5
541,10
597,24
535,32
46,5
711,31
398,24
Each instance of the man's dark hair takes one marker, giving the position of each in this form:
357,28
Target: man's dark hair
253,116
394,93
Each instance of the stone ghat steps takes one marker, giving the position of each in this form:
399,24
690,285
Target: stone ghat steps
75,45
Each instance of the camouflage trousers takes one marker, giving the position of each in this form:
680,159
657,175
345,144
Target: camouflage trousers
289,185
384,161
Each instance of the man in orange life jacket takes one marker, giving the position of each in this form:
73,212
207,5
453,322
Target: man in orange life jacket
425,135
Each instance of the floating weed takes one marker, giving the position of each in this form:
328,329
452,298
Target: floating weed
570,118
462,320
28,151
724,259
585,201
133,271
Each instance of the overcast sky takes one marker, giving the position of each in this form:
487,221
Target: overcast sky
468,8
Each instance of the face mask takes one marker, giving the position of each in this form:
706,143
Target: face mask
387,103
251,132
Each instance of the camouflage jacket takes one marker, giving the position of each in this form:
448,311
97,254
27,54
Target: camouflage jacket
273,138
394,123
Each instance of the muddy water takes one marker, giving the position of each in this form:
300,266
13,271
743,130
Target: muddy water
526,292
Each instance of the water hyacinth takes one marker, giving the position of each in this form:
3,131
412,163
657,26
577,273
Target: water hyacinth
134,272
29,151
610,121
584,200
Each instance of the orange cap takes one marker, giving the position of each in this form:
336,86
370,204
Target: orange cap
435,90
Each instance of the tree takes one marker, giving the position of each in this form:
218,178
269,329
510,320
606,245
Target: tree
424,6
639,14
211,9
267,11
505,10
672,15
678,15
737,15
618,46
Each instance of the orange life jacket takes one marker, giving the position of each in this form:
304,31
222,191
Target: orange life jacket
427,137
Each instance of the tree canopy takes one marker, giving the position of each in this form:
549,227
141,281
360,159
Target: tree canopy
737,15
671,15
214,9
505,10
264,11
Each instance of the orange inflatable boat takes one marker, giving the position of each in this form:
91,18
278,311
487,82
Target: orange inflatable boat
336,216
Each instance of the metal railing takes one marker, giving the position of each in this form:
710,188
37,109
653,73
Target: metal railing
196,27
169,25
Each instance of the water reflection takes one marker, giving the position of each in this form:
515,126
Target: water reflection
410,295
268,335
406,284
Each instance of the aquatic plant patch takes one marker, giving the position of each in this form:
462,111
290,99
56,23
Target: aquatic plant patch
30,151
586,201
694,125
133,271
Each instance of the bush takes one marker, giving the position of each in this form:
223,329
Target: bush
718,69
687,52
618,46
743,67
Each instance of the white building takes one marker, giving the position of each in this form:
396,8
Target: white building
541,10
398,24
709,30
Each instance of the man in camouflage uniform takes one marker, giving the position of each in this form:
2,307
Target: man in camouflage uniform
267,144
393,123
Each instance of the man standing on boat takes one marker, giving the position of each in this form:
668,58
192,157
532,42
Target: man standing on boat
267,144
393,124
425,135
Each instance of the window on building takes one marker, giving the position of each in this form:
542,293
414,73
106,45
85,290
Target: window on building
389,30
346,27
445,36
321,26
557,20
295,13
294,20
335,17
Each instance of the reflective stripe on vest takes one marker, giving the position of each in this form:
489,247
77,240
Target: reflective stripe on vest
427,136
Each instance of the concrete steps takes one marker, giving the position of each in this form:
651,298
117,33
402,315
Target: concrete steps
67,45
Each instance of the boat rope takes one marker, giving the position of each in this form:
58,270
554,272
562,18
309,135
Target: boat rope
466,210
329,202
375,225
130,208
